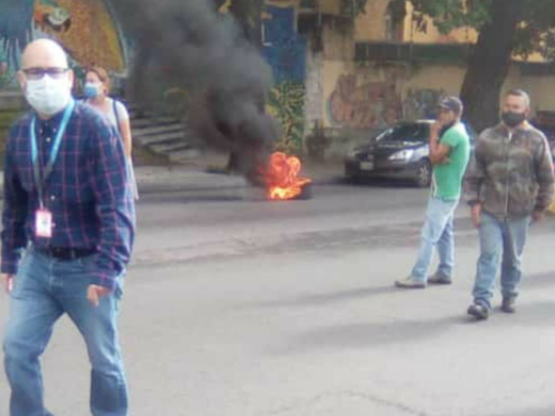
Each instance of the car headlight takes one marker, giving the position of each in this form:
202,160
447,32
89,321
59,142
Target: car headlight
402,155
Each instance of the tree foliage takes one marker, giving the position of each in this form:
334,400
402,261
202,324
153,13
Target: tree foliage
535,31
505,28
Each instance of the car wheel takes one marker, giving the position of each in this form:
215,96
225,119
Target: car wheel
423,174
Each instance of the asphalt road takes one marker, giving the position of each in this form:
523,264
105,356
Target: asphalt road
235,306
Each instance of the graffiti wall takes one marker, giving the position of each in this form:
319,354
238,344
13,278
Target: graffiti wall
88,31
285,52
369,99
359,104
285,104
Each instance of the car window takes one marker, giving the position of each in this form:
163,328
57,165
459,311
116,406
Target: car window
406,133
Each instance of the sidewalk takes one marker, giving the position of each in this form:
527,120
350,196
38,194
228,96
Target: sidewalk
199,174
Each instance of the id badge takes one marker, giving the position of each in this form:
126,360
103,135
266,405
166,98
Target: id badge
43,223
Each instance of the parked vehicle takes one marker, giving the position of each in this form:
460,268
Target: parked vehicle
400,152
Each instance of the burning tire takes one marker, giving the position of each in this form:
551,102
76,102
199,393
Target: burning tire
282,178
306,193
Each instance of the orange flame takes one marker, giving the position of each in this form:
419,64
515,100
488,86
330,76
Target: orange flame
282,177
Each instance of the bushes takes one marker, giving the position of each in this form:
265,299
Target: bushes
7,117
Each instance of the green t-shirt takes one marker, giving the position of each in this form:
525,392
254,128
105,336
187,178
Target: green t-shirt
447,178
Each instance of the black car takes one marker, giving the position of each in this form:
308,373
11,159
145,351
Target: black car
400,152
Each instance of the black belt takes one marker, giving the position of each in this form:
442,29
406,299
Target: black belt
66,253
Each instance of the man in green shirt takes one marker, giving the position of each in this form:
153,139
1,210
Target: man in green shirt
449,154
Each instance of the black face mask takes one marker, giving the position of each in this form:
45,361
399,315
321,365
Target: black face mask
513,119
445,128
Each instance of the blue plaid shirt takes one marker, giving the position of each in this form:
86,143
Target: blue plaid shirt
87,192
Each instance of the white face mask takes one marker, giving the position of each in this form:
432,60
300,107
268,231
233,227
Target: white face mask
47,95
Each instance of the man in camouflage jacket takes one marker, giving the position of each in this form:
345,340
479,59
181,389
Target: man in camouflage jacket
509,184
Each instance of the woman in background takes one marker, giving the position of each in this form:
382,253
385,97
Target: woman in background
96,91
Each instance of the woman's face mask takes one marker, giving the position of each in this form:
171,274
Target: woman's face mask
48,95
92,90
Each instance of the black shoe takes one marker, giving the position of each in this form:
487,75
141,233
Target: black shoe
508,305
479,311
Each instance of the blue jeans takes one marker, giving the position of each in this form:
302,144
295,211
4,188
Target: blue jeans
497,235
45,289
437,232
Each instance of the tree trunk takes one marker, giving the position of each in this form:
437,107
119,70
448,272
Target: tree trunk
489,64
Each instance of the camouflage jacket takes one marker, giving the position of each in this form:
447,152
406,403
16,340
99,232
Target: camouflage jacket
511,175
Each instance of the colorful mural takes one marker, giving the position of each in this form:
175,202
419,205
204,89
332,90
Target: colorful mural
367,105
285,103
88,30
360,104
285,51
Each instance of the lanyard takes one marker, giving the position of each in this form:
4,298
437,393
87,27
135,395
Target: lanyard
40,180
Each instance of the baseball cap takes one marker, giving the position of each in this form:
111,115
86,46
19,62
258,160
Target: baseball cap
452,103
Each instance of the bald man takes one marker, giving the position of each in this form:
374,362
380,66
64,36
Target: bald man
68,228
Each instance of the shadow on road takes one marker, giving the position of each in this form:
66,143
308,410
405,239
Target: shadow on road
377,183
329,298
538,280
531,412
187,198
395,331
535,281
530,314
369,335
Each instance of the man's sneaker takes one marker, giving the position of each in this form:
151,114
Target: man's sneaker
508,305
410,283
437,279
479,311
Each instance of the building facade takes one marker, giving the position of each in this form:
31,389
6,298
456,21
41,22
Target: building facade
346,73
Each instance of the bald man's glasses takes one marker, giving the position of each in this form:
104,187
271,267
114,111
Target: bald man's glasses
38,73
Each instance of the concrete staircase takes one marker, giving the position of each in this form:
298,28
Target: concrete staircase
12,105
162,135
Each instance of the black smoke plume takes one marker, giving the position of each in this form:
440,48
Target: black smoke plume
187,44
